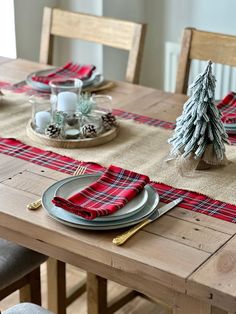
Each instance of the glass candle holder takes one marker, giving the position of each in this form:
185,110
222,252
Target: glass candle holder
103,109
91,125
41,113
102,102
65,95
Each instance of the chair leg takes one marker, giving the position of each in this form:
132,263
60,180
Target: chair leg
56,283
96,294
32,291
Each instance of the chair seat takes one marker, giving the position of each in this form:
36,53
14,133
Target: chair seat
26,308
16,261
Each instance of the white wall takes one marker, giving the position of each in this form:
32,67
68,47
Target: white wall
7,29
28,22
114,60
80,51
28,19
150,12
211,15
166,20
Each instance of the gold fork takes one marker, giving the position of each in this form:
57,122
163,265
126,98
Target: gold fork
36,204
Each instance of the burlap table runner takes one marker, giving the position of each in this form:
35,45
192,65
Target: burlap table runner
138,147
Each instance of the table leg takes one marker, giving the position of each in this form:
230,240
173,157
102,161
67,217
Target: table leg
31,292
96,294
184,304
56,274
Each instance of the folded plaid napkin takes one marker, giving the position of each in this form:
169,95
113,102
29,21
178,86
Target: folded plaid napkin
109,193
227,107
72,70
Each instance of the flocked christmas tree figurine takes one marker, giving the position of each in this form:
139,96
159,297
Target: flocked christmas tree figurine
199,135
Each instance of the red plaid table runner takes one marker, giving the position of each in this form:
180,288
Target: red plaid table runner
22,89
115,188
192,201
226,107
72,70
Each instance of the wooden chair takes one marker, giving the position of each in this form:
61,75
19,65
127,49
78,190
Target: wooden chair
20,270
115,33
201,45
102,30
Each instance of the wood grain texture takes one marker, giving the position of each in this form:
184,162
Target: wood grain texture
137,245
186,305
202,238
184,254
202,45
112,32
188,257
216,278
184,63
96,294
46,46
56,285
139,305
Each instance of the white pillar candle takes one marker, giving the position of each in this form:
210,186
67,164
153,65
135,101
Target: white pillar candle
42,119
67,102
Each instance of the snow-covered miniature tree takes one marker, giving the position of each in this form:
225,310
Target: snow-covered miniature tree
199,134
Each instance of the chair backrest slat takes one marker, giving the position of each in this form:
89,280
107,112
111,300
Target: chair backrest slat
111,32
201,45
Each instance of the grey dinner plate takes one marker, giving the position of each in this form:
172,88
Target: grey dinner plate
76,184
72,220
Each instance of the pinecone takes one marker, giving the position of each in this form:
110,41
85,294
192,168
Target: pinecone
53,130
108,121
89,130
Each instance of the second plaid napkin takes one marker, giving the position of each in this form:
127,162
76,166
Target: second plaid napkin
72,70
227,107
110,192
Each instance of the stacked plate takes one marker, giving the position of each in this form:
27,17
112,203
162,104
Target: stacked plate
95,80
230,128
133,212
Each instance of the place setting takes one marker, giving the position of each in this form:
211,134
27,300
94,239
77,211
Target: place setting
229,122
37,82
117,198
91,78
227,107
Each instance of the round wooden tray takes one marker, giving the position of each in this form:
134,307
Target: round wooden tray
71,143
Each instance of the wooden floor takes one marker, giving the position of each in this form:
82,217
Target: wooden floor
137,306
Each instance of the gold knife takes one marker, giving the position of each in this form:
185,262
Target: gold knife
158,212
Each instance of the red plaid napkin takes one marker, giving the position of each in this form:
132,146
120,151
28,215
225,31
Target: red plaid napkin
72,70
227,107
109,193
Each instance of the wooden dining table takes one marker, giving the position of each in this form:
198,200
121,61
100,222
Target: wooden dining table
186,260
